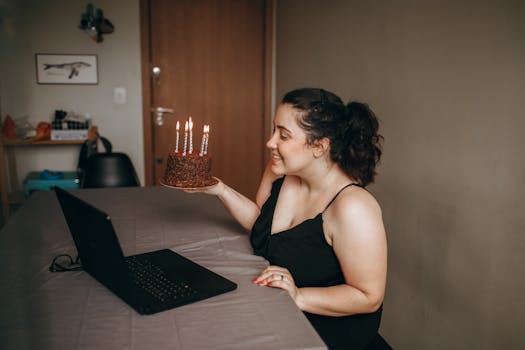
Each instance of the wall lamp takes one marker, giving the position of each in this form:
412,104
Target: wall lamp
93,23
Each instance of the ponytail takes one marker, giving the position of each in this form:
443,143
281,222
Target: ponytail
359,149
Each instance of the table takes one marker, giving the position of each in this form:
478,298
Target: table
71,310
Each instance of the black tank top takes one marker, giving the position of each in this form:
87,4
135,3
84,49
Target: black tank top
303,250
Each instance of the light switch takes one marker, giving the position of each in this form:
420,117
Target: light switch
119,95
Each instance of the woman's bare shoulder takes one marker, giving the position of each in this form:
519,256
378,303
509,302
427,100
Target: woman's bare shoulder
355,200
355,212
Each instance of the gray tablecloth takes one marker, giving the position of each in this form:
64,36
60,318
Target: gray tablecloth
71,310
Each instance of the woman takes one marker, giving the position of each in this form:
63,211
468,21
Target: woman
313,219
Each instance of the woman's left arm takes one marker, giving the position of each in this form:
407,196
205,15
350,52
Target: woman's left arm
355,227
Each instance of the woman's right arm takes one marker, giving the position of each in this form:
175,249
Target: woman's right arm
243,209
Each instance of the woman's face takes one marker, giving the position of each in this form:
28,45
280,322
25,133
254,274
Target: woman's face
290,152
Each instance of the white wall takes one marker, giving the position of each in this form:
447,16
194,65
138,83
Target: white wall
447,79
51,26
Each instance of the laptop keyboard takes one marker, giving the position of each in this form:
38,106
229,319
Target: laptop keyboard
154,281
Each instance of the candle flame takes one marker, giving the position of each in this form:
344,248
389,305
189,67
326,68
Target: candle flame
177,127
191,124
186,126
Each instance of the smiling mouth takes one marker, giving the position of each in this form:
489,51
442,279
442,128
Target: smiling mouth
275,157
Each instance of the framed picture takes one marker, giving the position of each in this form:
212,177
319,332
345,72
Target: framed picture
66,69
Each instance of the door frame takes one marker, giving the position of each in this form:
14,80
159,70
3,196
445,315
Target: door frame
147,118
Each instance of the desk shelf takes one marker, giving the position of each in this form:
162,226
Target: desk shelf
18,142
8,165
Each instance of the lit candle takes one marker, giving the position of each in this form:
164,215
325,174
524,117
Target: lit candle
207,139
191,136
185,138
203,140
177,138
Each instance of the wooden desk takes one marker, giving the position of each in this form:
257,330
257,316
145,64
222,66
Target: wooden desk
8,166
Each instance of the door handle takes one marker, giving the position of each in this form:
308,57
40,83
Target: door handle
159,113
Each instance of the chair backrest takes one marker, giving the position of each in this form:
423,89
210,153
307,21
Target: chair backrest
99,144
109,170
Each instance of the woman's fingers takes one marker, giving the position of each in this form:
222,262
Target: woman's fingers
213,189
273,274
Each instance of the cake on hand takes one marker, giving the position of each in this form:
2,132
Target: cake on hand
188,171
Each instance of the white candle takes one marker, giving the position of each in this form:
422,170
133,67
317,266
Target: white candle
191,136
185,138
207,139
177,138
203,140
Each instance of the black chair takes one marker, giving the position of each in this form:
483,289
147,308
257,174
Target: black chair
109,170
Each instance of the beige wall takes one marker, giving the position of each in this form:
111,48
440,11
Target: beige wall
31,26
447,78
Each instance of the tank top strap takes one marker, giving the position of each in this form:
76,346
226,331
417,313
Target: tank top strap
341,190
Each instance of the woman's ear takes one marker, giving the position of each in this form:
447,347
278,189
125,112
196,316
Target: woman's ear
320,147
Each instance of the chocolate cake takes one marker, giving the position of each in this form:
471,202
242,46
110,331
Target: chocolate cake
191,170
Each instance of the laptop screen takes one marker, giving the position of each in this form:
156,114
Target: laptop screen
94,237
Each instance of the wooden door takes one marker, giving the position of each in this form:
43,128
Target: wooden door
214,58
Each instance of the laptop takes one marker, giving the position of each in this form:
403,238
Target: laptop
149,282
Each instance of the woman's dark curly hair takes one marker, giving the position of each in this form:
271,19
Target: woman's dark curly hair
352,130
